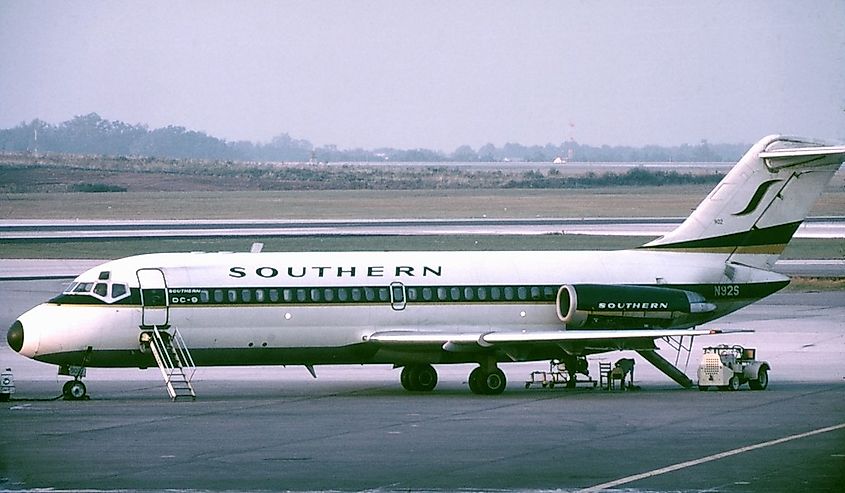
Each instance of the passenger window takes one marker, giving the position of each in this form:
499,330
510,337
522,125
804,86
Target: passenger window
384,294
246,295
412,294
508,293
370,294
496,293
315,295
469,294
427,294
549,293
218,296
522,293
274,295
535,293
118,290
441,294
356,294
343,294
455,294
203,294
300,295
328,295
233,296
287,295
259,295
482,294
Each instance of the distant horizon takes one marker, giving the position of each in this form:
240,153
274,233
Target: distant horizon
376,148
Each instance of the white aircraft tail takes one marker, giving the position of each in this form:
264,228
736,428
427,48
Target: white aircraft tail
753,212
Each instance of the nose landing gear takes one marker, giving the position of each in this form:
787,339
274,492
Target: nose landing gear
75,390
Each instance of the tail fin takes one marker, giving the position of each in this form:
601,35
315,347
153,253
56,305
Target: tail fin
753,212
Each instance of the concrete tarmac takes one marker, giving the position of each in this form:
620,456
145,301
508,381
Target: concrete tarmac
355,429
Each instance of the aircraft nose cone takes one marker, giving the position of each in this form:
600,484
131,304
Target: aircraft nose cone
15,336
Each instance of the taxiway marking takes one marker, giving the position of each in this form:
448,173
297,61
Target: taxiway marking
709,458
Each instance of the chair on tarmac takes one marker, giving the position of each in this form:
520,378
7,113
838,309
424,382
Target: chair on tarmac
604,374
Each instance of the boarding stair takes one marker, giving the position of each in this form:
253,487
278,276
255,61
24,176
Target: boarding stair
174,360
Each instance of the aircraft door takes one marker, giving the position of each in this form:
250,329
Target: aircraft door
154,302
397,295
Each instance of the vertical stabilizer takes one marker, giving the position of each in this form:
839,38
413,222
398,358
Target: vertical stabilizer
753,212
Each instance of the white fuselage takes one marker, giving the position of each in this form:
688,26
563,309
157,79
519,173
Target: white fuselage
317,308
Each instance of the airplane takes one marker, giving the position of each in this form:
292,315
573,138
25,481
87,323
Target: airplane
417,309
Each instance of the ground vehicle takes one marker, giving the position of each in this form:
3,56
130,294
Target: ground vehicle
7,385
728,367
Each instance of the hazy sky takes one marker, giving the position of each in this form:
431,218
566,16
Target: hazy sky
433,74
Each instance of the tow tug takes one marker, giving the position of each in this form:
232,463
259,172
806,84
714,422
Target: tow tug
728,367
7,385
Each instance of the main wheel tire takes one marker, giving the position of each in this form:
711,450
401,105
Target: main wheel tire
74,390
762,380
405,379
733,383
487,383
493,382
419,378
474,381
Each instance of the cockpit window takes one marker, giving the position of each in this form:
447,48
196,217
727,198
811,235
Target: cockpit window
108,291
83,287
118,290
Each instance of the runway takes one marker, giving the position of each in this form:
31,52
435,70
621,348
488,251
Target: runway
32,269
355,429
12,230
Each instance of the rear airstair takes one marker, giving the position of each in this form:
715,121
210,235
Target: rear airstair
682,349
174,360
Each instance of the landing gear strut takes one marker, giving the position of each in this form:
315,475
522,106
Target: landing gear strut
75,390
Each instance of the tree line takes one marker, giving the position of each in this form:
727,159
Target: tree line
91,134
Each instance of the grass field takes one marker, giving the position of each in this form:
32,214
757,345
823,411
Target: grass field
620,201
668,201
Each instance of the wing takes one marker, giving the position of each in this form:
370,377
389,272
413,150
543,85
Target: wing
463,341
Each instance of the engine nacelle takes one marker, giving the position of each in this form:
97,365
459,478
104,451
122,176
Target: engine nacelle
601,306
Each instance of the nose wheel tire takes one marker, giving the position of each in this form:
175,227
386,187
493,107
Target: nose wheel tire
74,390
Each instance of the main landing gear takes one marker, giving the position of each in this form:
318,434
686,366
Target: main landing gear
487,381
419,378
484,380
